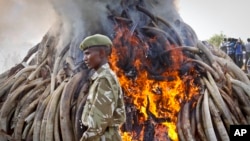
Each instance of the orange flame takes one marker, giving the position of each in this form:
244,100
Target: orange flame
161,98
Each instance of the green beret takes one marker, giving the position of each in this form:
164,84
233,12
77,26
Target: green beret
95,40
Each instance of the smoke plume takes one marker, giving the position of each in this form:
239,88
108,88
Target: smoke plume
81,18
23,23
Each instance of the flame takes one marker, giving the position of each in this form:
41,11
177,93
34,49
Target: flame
154,99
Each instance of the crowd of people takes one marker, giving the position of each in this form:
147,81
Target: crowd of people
235,48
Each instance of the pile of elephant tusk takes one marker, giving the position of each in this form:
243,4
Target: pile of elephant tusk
224,100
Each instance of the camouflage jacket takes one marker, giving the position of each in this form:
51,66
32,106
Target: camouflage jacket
104,110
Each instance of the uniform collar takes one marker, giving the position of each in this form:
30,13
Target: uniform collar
96,73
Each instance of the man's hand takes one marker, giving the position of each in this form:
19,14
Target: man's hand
84,137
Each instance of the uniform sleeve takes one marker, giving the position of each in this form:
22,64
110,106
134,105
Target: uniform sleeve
101,111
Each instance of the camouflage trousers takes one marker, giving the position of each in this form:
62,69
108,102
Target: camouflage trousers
110,134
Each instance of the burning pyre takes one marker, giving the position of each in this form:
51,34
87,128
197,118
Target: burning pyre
154,89
175,87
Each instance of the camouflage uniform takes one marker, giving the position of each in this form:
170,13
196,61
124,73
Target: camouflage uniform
104,110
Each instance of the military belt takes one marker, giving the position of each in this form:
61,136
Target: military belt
113,127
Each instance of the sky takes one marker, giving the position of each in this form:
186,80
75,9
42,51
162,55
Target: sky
209,17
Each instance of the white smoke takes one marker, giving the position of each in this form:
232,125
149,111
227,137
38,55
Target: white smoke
80,18
23,23
84,17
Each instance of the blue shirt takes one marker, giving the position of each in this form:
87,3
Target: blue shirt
238,48
230,48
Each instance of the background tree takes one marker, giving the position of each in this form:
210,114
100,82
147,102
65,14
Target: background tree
216,39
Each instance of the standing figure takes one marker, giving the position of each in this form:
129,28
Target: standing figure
224,44
230,48
239,53
104,110
247,46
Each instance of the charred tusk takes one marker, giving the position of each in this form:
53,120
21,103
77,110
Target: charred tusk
186,127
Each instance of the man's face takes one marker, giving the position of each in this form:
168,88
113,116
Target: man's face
92,58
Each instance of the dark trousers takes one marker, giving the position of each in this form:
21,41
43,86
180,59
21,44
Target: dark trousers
239,60
232,56
247,56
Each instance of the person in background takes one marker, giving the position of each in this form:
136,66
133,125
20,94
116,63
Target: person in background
231,49
104,110
224,45
247,47
239,53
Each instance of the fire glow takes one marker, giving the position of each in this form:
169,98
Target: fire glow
157,101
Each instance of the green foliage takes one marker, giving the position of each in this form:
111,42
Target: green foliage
216,39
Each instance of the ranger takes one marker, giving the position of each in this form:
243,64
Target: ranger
104,110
